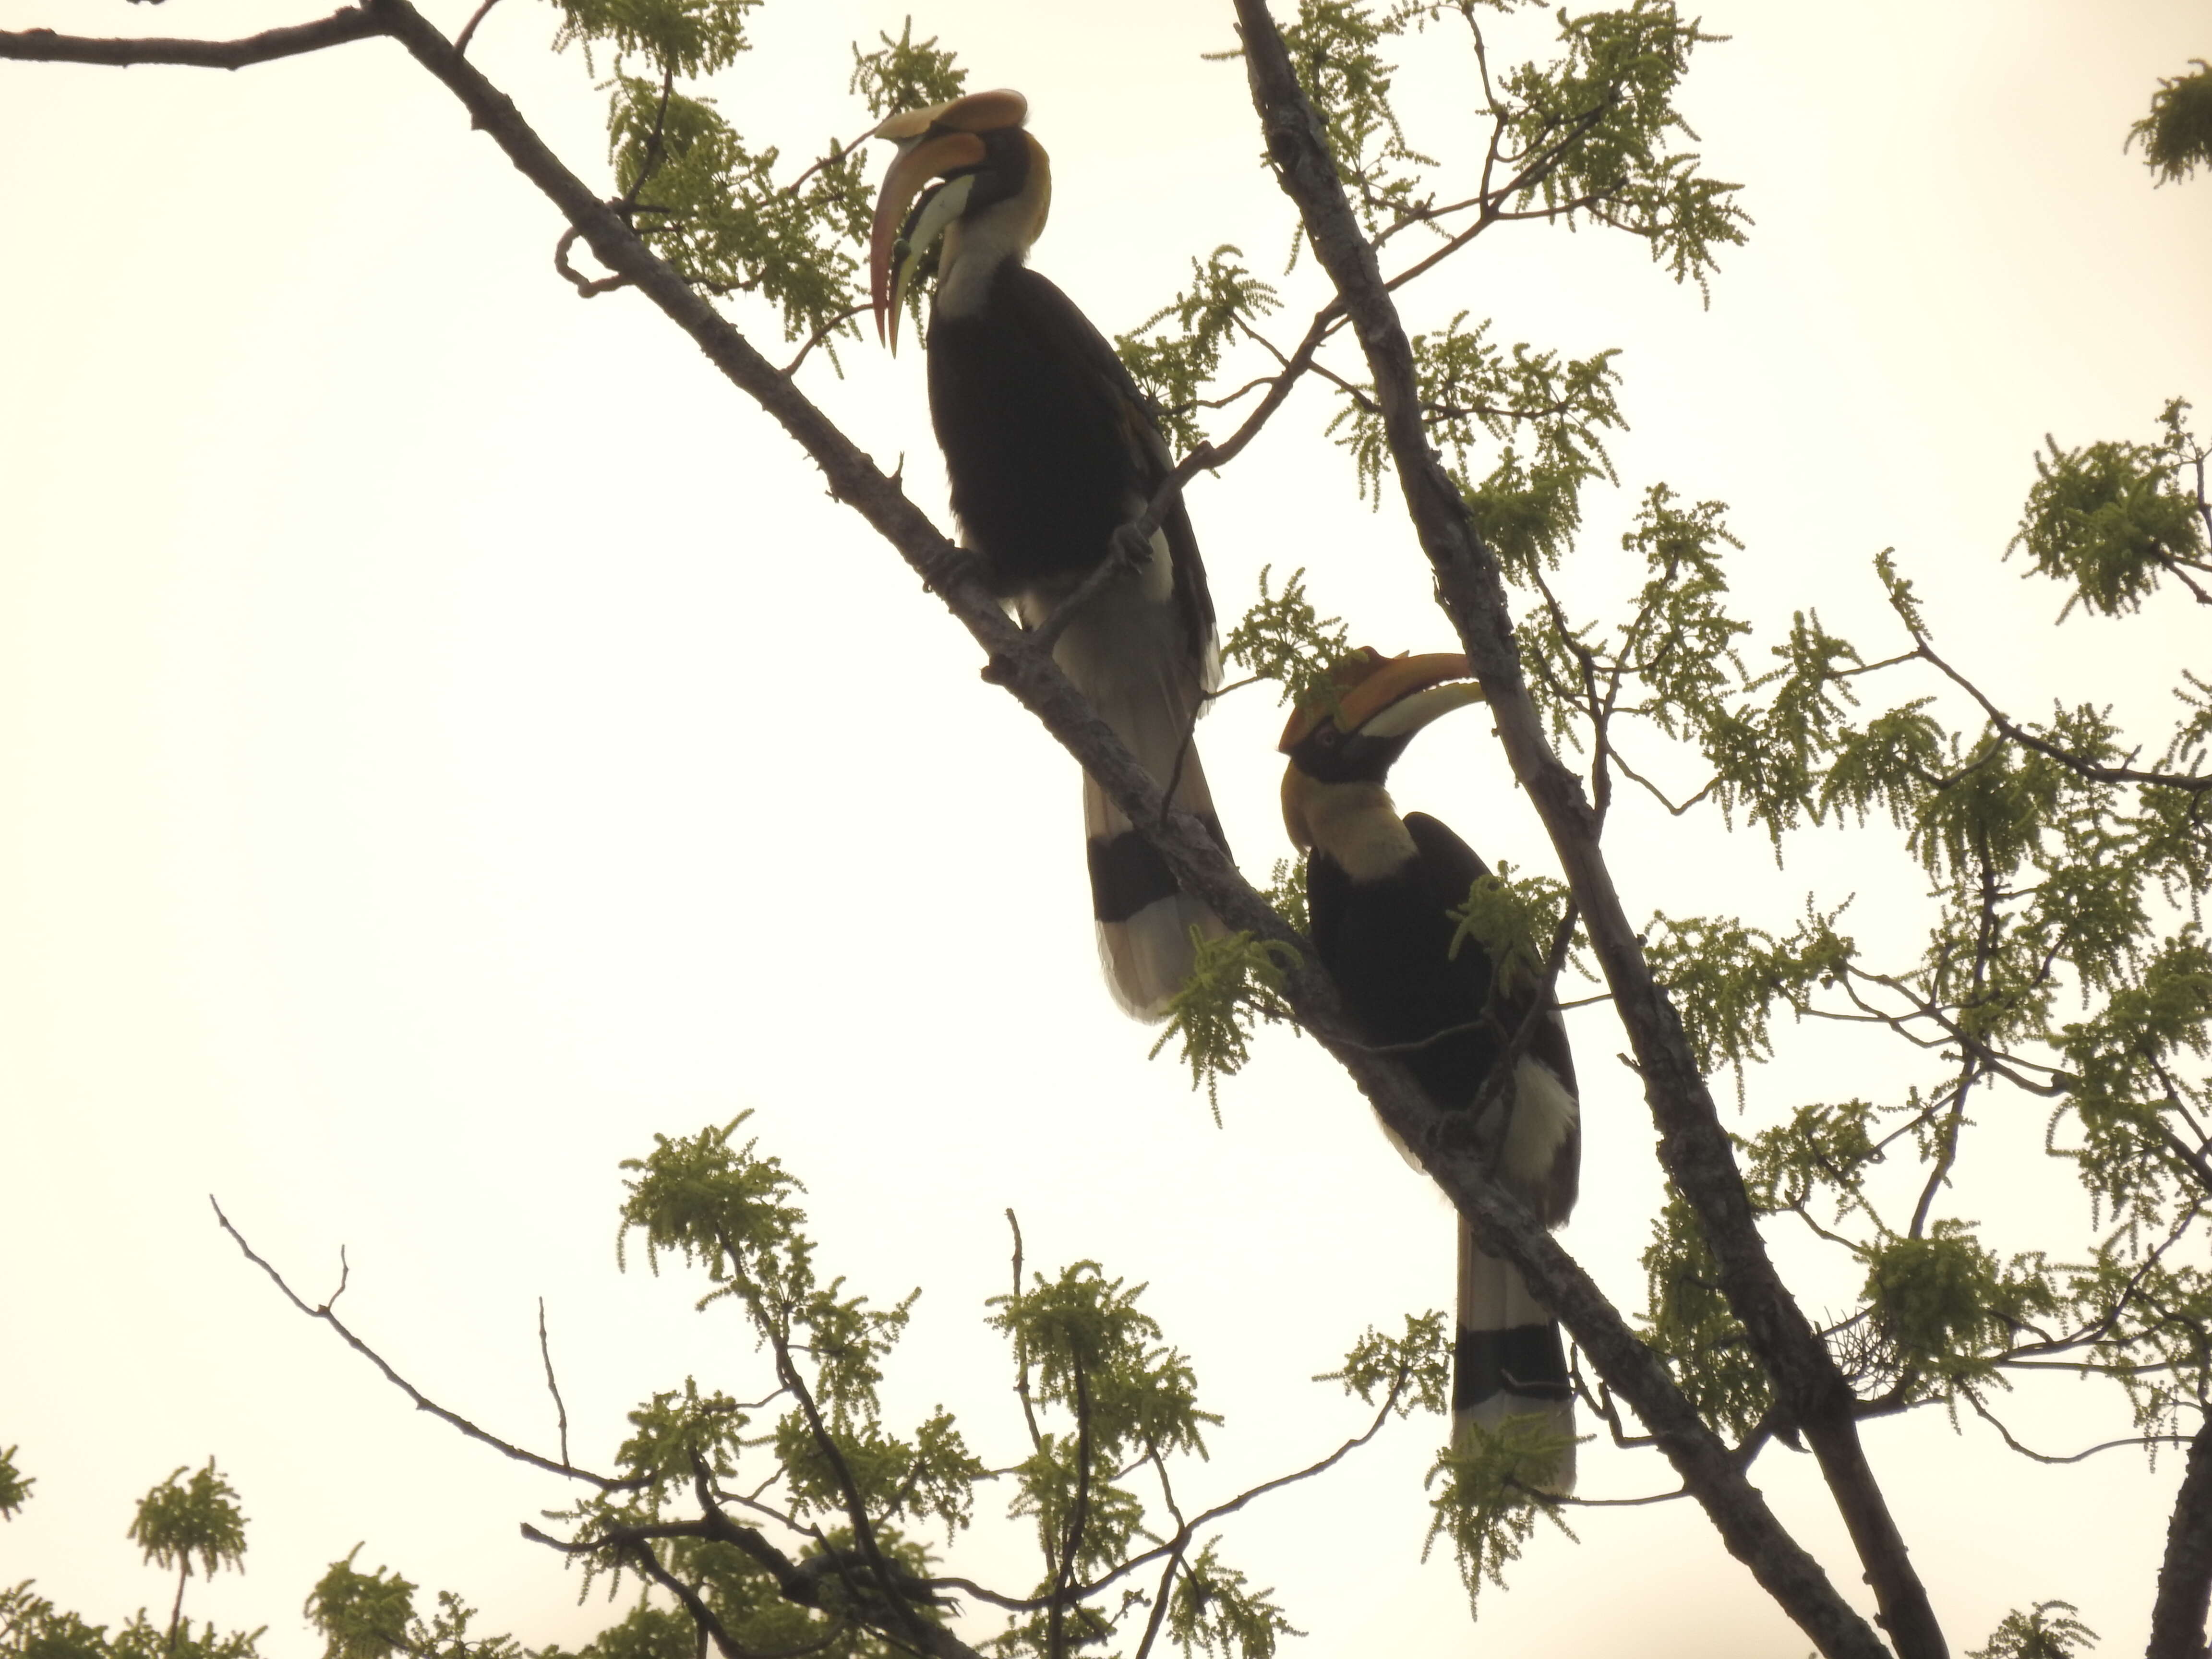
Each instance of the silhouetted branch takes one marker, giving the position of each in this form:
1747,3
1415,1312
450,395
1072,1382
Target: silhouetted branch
44,46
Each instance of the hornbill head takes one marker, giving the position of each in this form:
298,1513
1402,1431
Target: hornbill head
1342,742
993,182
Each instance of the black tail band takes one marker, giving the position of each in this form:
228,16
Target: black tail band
1529,1361
1127,872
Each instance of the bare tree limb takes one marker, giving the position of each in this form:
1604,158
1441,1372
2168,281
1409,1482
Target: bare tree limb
469,29
44,46
2194,782
423,1401
552,1384
2185,1577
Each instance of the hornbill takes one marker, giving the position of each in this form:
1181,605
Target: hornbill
1051,449
1379,891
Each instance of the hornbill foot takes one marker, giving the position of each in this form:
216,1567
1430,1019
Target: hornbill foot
957,568
1128,550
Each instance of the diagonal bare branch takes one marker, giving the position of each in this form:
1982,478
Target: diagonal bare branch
1694,1145
44,46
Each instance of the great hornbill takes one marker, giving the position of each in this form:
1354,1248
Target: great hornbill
1051,448
1379,891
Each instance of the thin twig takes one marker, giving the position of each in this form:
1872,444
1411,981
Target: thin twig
422,1401
819,336
545,1353
469,29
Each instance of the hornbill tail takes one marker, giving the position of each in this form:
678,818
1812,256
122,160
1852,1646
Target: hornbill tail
1384,893
1147,925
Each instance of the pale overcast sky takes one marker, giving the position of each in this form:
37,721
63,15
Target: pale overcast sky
447,736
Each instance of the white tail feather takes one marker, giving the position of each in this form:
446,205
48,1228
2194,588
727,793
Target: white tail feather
1128,654
1493,1297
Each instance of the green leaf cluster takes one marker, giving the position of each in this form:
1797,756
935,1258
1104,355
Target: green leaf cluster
905,74
1512,919
198,1518
1602,116
1725,977
15,1485
362,1615
2110,519
1236,985
1335,48
717,204
174,1525
1480,1504
1284,640
1689,1324
1187,337
1944,1307
680,37
2177,133
710,204
2049,1629
1411,1372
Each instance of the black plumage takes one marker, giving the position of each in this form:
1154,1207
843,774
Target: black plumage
1382,892
1050,449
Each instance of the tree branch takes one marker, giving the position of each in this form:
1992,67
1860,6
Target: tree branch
2185,1577
423,1401
1694,1145
2195,783
44,46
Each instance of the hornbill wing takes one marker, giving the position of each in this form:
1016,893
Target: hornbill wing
1508,1360
1052,315
1450,868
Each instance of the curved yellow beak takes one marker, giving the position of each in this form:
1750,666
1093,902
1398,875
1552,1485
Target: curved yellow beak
932,143
918,161
1370,683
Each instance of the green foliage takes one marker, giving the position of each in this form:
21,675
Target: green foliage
1512,918
723,1208
362,1615
1689,1324
905,74
1285,893
1725,978
1550,413
1283,638
1482,1505
1592,133
2047,1631
32,1627
1603,112
1175,366
2112,518
1413,1372
198,1518
14,1485
707,198
680,37
709,204
1818,1150
1334,48
1215,1612
1084,1345
1946,1306
647,1631
2177,134
1236,985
